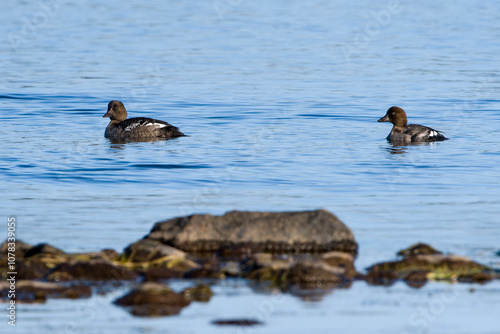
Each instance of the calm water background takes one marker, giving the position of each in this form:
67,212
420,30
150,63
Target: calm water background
280,101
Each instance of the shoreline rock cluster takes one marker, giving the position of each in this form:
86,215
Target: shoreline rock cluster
296,252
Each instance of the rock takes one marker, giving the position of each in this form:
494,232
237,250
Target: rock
237,322
295,272
109,254
238,252
21,249
156,260
43,248
418,249
199,293
32,268
311,273
38,292
153,299
156,274
93,269
286,232
210,273
343,261
417,269
416,279
35,268
147,250
480,277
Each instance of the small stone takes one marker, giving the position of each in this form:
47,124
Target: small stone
153,299
199,293
418,249
237,322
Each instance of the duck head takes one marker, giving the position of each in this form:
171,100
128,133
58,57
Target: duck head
116,111
396,116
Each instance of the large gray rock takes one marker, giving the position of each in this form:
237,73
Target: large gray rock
279,232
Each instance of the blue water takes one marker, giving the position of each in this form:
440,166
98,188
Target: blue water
280,101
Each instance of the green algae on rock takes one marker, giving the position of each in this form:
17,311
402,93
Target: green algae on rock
147,250
428,264
92,269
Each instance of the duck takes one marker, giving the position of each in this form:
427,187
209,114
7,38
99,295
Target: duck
137,128
408,133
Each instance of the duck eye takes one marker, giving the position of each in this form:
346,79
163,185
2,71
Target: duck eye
393,113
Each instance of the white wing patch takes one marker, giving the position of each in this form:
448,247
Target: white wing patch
433,133
131,126
138,124
156,125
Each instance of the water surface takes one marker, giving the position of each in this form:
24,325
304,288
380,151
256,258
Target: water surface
279,116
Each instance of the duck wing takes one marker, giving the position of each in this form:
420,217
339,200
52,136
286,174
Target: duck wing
421,133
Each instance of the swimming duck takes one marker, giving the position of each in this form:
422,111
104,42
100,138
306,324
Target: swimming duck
138,128
408,133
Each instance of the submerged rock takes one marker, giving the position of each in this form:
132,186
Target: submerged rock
153,299
38,292
276,232
428,264
237,322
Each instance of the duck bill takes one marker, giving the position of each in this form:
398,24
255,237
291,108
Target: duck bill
384,119
108,113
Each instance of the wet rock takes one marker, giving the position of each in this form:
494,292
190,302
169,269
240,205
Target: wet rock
418,249
110,254
266,266
153,299
238,252
147,250
480,277
161,273
296,272
44,249
343,261
34,269
311,273
36,265
156,260
38,292
417,269
21,249
205,273
416,279
93,269
237,322
200,293
231,268
286,232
